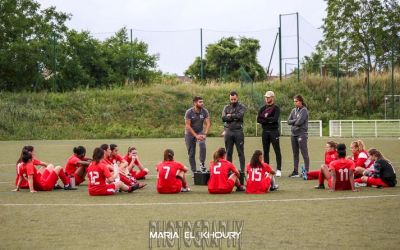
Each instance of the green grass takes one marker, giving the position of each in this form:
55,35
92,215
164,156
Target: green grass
295,217
157,110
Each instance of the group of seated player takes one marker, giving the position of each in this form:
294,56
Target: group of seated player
108,172
360,169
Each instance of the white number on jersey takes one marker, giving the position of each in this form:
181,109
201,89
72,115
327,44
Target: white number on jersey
344,174
93,176
216,168
255,174
167,168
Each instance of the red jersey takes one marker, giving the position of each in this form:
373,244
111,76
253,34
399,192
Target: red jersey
330,156
27,169
257,182
115,159
129,160
72,164
219,175
342,167
166,179
24,183
97,173
361,159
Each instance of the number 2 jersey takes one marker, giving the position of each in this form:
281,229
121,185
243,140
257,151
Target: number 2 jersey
219,174
257,182
342,167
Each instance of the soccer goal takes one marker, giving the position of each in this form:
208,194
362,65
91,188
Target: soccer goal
364,128
314,128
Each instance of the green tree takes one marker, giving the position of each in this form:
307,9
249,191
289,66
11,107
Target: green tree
224,59
365,30
26,39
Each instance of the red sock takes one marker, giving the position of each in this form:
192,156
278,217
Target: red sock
63,177
358,180
313,175
321,178
184,184
125,180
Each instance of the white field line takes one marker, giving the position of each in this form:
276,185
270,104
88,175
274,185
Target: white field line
198,203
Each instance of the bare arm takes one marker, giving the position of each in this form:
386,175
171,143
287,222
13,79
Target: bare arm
333,174
30,182
18,184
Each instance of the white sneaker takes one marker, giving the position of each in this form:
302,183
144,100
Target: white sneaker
278,173
357,185
187,189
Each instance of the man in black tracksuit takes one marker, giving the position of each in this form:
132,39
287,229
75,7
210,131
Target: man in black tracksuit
232,116
268,117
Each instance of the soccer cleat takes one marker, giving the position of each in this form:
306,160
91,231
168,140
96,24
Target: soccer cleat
278,173
57,186
240,189
69,187
357,184
320,186
184,190
203,168
294,175
273,188
304,172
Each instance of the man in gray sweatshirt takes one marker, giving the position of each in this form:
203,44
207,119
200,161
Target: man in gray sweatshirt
298,119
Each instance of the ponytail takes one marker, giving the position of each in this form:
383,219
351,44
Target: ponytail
219,154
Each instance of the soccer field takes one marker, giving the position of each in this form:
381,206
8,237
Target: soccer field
296,216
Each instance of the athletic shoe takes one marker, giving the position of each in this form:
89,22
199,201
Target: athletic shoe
203,168
278,173
273,188
68,187
320,186
294,175
304,172
357,184
240,189
184,190
136,186
57,186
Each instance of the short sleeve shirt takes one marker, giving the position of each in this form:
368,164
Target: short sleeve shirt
196,119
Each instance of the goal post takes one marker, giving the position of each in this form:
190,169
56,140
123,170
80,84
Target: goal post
364,128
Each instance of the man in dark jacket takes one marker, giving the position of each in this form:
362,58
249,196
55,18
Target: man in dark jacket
269,117
232,116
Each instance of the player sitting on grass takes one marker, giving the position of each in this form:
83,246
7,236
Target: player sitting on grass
171,175
77,164
132,158
360,157
43,179
260,176
223,175
330,155
36,162
101,182
340,175
115,167
383,174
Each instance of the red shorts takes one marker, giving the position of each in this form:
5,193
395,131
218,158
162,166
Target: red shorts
227,190
47,181
138,175
261,188
376,182
108,189
173,189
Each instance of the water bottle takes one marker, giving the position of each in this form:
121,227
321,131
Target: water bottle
72,181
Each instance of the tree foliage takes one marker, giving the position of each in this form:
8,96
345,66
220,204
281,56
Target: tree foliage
367,32
224,59
39,52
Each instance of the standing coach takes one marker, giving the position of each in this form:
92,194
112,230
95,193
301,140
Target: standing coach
268,117
232,116
195,131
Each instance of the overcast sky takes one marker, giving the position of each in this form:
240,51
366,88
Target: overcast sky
177,48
